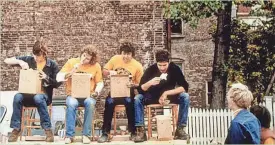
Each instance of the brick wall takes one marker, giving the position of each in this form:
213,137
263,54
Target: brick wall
69,25
196,48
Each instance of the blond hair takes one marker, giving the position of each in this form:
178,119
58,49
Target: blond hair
91,50
240,95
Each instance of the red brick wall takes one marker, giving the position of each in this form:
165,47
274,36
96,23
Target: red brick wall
69,25
196,48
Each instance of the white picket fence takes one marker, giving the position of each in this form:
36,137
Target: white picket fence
211,125
206,125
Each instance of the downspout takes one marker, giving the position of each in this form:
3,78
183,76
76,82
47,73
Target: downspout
168,29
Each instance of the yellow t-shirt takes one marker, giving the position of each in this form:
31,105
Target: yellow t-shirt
269,140
41,65
94,69
134,67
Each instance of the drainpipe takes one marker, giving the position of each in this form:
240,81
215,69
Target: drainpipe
168,29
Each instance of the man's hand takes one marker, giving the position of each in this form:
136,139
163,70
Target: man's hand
95,94
154,81
74,70
112,72
82,58
130,84
23,64
162,98
42,75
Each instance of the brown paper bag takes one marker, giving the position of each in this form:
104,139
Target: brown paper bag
119,86
81,85
29,82
164,128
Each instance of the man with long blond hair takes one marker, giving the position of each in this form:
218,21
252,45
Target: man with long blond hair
87,63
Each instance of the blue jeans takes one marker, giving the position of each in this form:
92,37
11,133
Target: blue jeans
38,100
72,104
110,104
182,99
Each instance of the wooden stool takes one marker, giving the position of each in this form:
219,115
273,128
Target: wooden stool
80,117
30,119
118,108
174,108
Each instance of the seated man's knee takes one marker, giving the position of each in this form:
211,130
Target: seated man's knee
89,102
109,101
71,102
39,98
128,100
138,98
184,97
18,98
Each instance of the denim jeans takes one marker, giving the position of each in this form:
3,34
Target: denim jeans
110,104
181,99
72,104
38,100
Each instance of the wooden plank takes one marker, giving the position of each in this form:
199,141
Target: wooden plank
215,124
200,123
211,124
208,126
197,123
268,105
219,125
35,138
223,116
226,121
189,123
204,125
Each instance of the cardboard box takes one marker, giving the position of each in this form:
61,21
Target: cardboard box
81,85
164,128
29,82
119,86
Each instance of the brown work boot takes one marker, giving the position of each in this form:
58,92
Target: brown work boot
180,133
49,135
140,135
132,136
14,135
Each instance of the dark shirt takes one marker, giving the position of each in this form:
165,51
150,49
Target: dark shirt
244,129
175,78
50,69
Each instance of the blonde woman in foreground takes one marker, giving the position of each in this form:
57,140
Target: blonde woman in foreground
245,127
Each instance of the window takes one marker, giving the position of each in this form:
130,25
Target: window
3,111
176,26
179,62
208,92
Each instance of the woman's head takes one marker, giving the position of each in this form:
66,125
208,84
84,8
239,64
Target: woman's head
262,114
239,96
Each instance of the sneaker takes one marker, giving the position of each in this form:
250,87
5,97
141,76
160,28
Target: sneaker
68,140
85,139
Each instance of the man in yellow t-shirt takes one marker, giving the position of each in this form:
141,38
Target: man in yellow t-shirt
86,63
125,62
